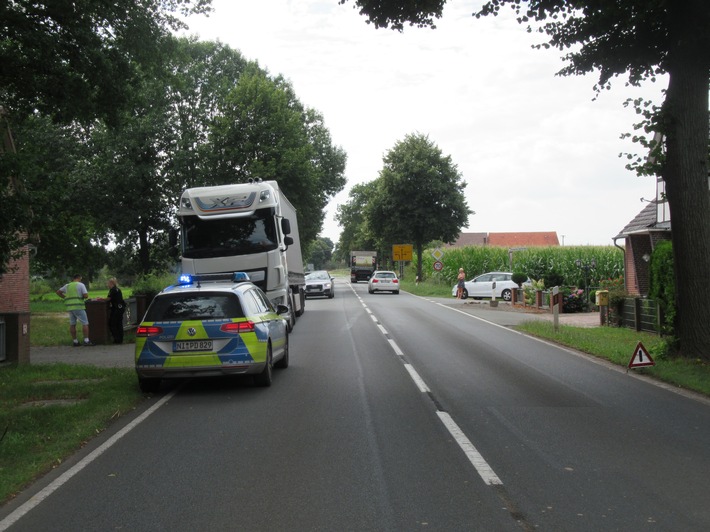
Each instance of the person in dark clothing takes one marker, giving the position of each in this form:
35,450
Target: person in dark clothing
117,307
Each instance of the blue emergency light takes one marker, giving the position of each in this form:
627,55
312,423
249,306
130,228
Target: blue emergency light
240,277
185,278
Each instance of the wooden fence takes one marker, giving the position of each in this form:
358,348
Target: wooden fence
641,314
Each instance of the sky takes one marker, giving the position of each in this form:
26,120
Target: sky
537,151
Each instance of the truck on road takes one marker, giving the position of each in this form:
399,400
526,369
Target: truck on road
362,265
248,227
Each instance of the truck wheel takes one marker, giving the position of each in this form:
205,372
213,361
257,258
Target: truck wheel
302,309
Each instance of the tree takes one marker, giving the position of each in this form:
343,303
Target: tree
419,196
263,131
350,216
71,61
63,58
51,157
132,190
640,39
201,75
320,253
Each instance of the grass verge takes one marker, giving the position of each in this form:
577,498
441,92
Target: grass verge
47,412
618,344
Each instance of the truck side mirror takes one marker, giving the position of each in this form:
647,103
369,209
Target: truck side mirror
173,237
288,240
286,227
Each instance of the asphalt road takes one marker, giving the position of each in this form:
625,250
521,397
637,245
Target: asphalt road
396,413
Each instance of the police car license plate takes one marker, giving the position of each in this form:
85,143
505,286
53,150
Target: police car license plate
193,345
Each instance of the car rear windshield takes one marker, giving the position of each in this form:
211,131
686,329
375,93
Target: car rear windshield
203,306
386,275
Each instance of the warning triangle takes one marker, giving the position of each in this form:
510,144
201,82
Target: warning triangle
641,357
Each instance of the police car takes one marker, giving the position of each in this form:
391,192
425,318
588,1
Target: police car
211,327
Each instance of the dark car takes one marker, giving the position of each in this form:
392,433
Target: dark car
211,329
319,283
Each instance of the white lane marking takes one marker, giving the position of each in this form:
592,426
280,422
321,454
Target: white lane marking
64,477
395,347
416,378
479,463
382,329
487,474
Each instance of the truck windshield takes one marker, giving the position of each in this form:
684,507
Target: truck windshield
228,236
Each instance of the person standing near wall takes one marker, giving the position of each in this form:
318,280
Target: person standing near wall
117,306
74,294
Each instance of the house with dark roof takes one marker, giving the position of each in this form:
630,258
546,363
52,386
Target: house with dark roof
640,236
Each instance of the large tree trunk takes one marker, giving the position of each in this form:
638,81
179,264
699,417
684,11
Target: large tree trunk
686,171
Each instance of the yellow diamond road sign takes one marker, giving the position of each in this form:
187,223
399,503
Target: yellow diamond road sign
437,254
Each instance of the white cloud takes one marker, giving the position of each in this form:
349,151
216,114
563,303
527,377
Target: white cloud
537,153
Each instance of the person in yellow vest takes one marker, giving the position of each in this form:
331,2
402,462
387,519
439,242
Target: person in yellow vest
74,294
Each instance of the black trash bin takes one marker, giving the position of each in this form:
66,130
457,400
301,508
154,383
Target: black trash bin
98,312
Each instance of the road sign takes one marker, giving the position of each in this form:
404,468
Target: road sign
402,252
437,254
641,357
438,265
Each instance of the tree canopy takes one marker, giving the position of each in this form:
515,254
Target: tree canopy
70,61
640,39
202,115
418,197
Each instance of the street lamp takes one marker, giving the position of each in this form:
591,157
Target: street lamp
586,266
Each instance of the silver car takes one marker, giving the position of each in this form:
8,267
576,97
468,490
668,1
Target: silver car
383,281
320,283
482,286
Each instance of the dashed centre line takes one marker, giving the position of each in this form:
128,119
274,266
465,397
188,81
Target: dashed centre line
479,463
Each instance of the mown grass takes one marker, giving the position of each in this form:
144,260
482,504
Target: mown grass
618,344
47,412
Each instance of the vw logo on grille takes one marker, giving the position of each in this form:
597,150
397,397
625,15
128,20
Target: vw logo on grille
191,331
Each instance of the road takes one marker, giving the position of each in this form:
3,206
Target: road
396,413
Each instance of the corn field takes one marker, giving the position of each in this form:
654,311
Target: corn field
537,263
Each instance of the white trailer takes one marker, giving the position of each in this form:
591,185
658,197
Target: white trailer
249,227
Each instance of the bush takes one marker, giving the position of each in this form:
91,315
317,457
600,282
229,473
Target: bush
574,301
553,278
519,278
529,291
40,288
662,287
617,294
150,285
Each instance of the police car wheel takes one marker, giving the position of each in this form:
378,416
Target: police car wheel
283,362
264,378
149,385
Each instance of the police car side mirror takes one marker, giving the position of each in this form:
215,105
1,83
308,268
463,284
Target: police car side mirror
281,309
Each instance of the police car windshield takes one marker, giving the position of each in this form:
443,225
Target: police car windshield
225,237
202,306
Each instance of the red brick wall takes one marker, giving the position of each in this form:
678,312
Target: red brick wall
15,287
